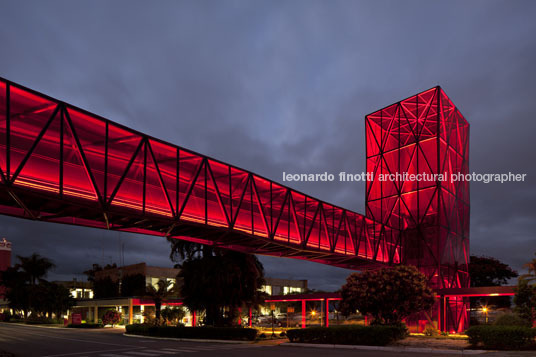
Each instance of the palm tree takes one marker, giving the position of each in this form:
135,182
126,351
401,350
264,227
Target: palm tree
225,280
158,294
35,267
531,267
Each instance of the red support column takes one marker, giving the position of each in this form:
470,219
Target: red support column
193,319
303,312
445,313
327,312
249,322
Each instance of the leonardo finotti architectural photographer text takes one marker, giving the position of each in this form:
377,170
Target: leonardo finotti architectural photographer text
405,176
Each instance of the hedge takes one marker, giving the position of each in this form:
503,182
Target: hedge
87,325
511,320
42,321
216,333
502,337
375,335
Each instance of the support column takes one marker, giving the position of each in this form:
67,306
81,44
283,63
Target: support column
303,312
321,312
445,314
96,314
130,312
193,319
250,316
327,312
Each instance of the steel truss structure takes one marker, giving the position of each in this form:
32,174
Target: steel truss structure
424,135
59,163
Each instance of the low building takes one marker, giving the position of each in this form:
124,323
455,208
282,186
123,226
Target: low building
275,286
151,274
78,289
135,308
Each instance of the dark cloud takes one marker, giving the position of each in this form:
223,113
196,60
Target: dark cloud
277,86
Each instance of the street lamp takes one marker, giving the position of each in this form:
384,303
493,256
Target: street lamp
485,311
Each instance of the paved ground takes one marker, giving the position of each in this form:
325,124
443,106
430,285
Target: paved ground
30,341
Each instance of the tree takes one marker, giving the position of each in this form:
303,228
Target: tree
182,250
28,291
17,289
96,268
220,280
133,285
389,295
525,297
105,288
525,300
51,298
21,282
61,299
530,277
489,271
35,266
172,315
162,291
215,280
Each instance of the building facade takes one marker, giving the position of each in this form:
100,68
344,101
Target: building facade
151,274
275,286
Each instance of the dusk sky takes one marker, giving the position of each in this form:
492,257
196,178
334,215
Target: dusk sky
283,86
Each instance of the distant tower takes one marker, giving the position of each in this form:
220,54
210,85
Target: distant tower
5,254
5,259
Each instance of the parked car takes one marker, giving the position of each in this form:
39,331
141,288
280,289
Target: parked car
289,320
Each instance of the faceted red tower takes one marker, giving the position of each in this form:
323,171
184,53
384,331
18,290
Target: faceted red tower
424,134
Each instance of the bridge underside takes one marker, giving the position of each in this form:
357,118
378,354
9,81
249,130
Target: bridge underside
61,164
42,207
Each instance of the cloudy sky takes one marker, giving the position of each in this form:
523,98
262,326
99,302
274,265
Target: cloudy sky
275,86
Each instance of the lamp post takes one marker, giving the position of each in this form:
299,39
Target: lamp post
485,311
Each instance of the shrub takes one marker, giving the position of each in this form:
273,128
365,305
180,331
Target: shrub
511,320
42,321
502,337
111,317
5,316
389,295
377,335
431,331
218,333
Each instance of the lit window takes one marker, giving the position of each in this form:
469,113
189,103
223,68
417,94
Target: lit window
266,289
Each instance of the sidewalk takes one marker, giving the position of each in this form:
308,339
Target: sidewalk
388,348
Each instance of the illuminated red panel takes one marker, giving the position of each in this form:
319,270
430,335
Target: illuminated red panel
71,166
3,130
423,134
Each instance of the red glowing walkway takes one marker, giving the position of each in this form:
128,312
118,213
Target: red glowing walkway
59,163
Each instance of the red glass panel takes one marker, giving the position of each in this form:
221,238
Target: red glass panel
3,133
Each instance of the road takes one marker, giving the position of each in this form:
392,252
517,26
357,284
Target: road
30,341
